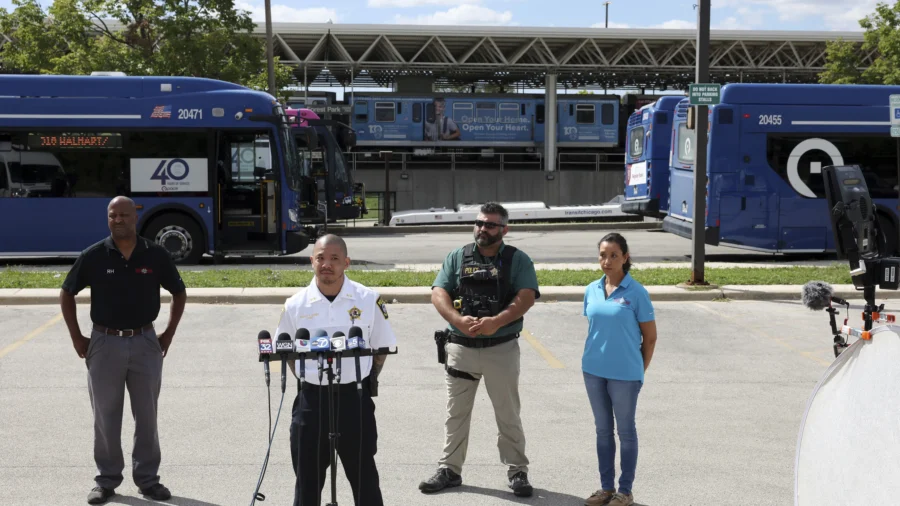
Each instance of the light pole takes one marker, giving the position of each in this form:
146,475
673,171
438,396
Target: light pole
606,25
270,56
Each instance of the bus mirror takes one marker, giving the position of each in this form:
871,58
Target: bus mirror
349,137
691,118
306,138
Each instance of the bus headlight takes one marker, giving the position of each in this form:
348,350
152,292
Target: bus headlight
294,215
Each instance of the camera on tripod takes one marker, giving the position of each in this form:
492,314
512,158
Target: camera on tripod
858,235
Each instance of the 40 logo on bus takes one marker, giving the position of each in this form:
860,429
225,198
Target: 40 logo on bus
793,170
175,169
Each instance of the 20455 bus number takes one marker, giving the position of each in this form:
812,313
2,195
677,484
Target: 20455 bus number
190,113
770,119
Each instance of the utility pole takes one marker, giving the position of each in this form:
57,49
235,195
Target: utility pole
606,25
270,52
700,124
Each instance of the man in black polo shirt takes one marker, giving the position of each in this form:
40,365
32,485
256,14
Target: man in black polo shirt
124,272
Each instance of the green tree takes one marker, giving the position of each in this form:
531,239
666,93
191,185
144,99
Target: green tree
284,76
883,36
842,63
200,38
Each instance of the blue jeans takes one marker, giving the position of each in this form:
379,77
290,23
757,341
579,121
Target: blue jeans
614,397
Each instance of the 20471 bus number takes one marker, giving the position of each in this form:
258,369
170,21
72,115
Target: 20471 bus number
190,113
770,119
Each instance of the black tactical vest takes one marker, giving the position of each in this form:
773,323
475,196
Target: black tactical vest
484,289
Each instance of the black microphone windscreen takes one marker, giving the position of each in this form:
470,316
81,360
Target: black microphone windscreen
338,334
264,334
302,334
320,333
355,332
817,295
284,336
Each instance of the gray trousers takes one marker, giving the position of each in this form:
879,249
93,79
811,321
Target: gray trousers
115,363
499,366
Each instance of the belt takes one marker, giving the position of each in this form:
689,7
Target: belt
122,332
481,342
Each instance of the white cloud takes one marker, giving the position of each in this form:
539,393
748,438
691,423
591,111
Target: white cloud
417,3
677,24
284,14
465,14
835,14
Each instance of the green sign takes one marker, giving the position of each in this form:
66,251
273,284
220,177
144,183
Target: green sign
704,94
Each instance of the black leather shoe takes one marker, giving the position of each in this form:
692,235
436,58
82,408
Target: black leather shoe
100,495
157,492
442,479
519,484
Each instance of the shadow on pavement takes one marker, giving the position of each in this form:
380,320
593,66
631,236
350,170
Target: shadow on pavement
175,501
540,496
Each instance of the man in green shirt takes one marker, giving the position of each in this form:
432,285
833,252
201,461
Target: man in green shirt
483,291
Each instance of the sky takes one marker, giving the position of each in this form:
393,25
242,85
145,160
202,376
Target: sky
726,14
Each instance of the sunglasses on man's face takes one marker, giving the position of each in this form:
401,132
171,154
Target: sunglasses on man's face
490,225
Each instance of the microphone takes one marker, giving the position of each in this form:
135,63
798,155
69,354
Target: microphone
301,344
817,295
355,342
264,342
338,345
320,344
284,346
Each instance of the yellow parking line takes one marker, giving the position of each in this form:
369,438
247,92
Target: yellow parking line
553,361
31,335
778,341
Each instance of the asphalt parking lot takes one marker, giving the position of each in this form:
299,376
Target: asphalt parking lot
717,418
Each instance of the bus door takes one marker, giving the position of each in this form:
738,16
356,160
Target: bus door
246,193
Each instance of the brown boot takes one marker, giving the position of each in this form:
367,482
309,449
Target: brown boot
599,498
621,500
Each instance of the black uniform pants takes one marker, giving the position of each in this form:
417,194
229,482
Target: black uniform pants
309,429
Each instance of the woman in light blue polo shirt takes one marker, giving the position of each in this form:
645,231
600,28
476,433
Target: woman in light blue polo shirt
619,346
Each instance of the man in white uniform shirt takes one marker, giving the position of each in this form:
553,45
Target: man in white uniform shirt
333,303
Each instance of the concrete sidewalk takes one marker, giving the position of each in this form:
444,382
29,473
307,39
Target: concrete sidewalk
422,295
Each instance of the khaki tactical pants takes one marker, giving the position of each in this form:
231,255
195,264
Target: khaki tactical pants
499,366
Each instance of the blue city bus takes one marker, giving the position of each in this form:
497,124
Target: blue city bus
504,122
649,139
213,167
767,146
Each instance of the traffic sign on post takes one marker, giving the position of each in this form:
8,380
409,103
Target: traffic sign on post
704,94
895,115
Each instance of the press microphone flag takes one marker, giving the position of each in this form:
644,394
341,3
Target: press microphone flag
817,295
264,344
320,344
283,347
338,345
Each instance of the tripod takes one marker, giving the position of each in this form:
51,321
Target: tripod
331,371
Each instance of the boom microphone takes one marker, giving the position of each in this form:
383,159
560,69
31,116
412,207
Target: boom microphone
264,343
817,295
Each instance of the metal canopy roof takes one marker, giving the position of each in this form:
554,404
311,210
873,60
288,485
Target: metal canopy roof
375,55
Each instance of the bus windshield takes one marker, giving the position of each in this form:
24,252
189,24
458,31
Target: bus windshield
295,169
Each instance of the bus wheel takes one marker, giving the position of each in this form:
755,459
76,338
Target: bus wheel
179,235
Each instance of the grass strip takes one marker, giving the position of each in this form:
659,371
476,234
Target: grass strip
262,278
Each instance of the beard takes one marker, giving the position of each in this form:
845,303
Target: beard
485,240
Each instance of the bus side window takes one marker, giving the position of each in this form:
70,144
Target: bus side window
539,113
607,114
429,112
417,112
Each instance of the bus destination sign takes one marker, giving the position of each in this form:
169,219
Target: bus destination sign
74,141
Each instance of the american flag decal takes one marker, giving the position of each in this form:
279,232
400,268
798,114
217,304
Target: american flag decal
162,111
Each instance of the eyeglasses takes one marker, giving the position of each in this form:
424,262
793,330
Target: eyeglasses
490,225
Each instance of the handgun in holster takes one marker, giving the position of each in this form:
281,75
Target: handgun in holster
440,338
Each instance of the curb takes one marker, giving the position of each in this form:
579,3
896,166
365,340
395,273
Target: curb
346,231
422,295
